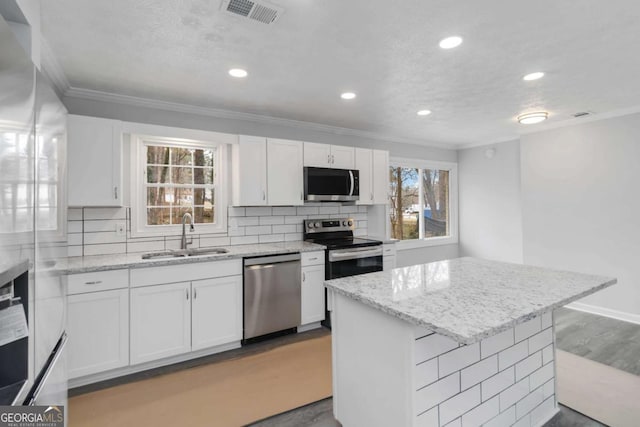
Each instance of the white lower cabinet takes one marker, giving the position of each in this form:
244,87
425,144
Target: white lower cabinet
216,311
312,292
160,321
98,329
388,256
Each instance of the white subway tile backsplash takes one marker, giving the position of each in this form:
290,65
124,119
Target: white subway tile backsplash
348,209
360,232
529,402
547,354
549,388
528,328
74,214
104,213
426,373
482,413
133,246
428,419
298,219
528,365
292,237
523,422
74,251
459,404
478,372
457,359
103,237
540,340
105,249
236,231
74,239
93,226
258,211
243,221
543,411
512,355
289,228
74,227
306,210
541,376
455,423
547,320
430,346
328,210
496,343
270,220
271,238
438,392
513,394
206,241
175,243
495,384
505,419
234,211
244,240
284,210
259,229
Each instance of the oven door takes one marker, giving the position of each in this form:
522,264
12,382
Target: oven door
324,184
350,262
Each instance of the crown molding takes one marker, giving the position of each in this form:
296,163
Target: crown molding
95,95
52,68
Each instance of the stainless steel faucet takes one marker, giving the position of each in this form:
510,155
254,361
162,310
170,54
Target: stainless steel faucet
183,243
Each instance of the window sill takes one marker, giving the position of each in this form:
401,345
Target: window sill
424,243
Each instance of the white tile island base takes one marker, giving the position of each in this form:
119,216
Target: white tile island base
389,372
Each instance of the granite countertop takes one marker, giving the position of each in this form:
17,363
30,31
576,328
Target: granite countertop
87,264
468,299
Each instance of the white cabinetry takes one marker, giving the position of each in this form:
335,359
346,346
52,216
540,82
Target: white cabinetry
388,256
284,172
364,165
94,151
250,171
98,328
216,312
329,156
312,309
380,162
160,321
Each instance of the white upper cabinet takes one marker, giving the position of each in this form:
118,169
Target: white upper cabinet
250,171
94,161
364,165
329,156
380,165
284,172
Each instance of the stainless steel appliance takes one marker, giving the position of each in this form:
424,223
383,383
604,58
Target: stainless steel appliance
271,294
346,255
334,185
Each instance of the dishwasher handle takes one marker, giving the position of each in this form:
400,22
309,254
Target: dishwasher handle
276,259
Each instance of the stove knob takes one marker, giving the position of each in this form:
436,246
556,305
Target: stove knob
344,223
310,225
350,223
317,224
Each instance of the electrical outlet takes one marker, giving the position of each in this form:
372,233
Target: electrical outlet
120,229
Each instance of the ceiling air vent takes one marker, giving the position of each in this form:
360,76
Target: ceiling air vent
582,114
256,10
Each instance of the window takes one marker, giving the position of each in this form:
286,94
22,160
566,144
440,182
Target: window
423,202
174,177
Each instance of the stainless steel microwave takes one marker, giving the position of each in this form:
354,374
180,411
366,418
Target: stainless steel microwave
331,185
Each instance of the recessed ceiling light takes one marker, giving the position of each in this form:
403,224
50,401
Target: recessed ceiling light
424,112
450,42
348,95
238,73
533,76
533,118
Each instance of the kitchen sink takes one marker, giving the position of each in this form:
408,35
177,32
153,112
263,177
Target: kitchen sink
184,253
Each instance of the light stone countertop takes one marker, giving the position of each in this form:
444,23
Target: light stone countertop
87,264
468,299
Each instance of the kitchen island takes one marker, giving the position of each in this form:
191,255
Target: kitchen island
461,342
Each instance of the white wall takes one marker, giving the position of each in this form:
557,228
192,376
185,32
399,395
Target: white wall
581,206
490,207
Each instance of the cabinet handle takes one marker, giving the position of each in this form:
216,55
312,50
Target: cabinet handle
187,293
195,293
304,277
313,259
94,282
328,158
333,159
264,195
301,196
371,196
115,193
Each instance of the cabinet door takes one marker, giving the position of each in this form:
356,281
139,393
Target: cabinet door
364,163
312,309
250,171
317,155
216,312
94,154
284,172
380,177
388,262
343,157
98,327
160,321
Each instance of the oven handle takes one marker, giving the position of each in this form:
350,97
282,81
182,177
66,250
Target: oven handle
354,254
352,182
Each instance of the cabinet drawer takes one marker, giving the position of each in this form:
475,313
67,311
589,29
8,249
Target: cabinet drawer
185,272
389,249
98,281
312,258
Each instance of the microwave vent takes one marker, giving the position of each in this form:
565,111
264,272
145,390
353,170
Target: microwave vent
255,10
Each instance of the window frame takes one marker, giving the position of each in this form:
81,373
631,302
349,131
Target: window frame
452,168
139,227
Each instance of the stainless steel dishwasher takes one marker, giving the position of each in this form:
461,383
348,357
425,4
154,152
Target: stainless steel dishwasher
271,294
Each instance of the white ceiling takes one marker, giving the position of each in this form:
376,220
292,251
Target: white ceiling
385,51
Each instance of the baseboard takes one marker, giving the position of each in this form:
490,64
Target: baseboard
548,418
606,312
309,326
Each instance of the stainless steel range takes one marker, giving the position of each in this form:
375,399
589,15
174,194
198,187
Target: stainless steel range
346,255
